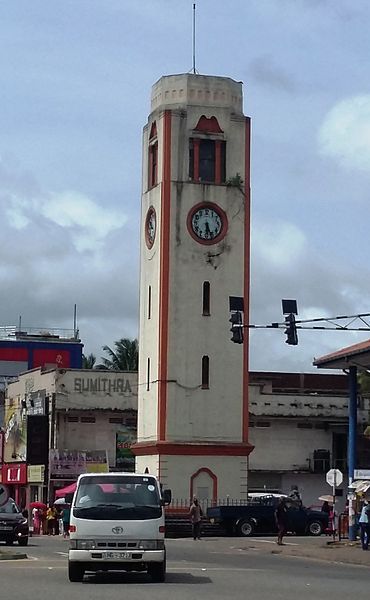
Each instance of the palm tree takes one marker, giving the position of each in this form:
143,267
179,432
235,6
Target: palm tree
125,356
88,362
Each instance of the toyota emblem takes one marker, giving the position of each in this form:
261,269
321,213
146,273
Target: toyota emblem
117,530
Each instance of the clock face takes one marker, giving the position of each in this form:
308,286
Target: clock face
150,227
207,223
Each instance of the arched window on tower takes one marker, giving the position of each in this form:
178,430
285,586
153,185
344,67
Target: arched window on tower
205,372
153,157
207,152
206,298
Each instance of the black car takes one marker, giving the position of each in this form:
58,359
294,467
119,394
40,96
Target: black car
13,524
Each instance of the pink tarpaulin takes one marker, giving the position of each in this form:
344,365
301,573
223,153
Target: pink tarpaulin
70,489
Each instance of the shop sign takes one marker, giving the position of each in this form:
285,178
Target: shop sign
125,458
68,464
36,473
15,426
15,473
361,474
35,402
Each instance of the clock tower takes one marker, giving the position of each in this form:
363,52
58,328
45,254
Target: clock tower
195,253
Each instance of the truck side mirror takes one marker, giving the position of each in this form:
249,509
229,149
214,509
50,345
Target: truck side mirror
167,497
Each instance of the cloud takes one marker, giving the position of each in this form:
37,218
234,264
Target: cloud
279,243
263,71
345,133
89,222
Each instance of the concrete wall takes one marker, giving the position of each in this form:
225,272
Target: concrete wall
284,446
229,476
100,435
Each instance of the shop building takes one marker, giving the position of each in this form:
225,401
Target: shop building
62,422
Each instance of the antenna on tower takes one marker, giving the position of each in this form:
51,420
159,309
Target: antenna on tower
194,69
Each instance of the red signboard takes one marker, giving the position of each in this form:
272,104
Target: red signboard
15,473
59,358
17,354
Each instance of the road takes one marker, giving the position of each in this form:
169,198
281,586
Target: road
213,569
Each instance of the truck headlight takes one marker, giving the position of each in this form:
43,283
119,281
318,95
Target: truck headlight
151,544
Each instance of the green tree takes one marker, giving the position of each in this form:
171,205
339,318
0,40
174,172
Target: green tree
88,361
363,379
124,357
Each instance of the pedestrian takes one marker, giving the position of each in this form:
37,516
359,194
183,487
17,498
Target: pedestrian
66,514
51,517
364,522
326,507
281,519
295,496
58,518
195,514
36,520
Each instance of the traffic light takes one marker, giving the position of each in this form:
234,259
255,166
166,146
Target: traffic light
236,320
291,330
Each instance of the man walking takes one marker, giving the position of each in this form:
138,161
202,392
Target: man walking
195,514
281,519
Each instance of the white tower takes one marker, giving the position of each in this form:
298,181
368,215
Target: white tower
195,253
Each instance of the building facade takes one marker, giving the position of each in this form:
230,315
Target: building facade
299,427
195,224
62,422
22,350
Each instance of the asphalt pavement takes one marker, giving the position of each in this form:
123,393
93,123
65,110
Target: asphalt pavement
215,568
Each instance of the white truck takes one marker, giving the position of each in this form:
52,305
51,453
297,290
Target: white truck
117,523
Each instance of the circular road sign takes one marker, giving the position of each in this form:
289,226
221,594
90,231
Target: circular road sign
334,477
4,494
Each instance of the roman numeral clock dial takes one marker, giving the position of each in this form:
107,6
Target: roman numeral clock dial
207,223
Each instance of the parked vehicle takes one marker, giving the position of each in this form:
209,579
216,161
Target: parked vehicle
13,524
258,516
117,523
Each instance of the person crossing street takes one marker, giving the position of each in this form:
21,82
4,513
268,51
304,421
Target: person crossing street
195,514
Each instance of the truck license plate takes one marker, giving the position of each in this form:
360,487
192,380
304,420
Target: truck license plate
113,555
5,528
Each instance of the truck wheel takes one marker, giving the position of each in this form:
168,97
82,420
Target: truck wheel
75,572
315,528
157,571
245,528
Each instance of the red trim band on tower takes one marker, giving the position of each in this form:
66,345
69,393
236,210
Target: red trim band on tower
164,276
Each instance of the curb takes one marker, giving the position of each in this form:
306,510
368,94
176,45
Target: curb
10,556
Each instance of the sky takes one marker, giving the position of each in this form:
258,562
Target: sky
75,84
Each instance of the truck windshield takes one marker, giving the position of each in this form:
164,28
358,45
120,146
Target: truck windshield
117,497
